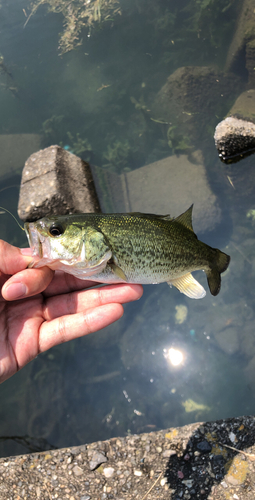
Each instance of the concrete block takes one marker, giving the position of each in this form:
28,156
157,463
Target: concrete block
166,186
55,181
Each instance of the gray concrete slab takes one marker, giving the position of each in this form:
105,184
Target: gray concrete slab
207,461
168,185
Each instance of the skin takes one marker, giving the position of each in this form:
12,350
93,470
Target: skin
54,309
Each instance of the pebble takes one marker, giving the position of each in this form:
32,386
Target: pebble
168,453
108,471
78,471
96,460
204,446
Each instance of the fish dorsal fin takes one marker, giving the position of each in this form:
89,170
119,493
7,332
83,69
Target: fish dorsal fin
186,218
151,216
189,286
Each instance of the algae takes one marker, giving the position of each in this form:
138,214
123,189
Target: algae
78,14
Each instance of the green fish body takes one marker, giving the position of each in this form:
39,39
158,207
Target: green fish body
127,248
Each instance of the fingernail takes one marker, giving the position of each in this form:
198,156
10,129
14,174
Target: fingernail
15,291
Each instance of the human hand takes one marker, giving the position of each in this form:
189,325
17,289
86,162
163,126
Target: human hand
40,309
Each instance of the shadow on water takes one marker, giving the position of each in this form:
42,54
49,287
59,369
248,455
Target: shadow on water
212,454
28,444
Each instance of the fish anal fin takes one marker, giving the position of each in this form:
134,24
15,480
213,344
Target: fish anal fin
189,286
117,271
186,218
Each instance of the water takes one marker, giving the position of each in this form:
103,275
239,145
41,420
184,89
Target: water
123,379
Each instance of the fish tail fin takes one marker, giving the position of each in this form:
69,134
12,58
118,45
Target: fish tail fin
220,264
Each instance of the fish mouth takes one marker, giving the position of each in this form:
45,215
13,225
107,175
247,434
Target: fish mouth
35,242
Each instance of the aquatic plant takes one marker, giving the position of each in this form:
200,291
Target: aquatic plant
176,141
117,157
78,14
80,147
51,129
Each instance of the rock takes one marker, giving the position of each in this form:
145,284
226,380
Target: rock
108,472
56,182
241,50
228,340
15,149
168,185
234,138
204,446
97,458
190,101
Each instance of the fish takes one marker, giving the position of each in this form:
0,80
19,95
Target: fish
127,248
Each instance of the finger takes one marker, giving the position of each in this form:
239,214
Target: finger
64,282
11,258
75,302
27,283
70,327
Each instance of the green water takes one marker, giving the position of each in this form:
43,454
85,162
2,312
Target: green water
99,99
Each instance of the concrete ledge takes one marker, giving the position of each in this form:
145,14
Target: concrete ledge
189,462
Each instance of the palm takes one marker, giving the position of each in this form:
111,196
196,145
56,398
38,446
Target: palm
56,310
20,324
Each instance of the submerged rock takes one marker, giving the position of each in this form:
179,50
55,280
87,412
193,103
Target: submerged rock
241,51
166,186
191,99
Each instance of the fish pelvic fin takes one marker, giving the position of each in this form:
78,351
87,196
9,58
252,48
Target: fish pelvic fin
117,271
189,286
221,263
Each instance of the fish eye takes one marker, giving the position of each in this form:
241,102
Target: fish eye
56,230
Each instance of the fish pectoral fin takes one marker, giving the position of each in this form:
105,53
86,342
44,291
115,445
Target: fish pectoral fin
189,286
118,271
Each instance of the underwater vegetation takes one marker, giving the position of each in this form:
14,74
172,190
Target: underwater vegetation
176,141
51,130
78,146
54,133
117,156
78,14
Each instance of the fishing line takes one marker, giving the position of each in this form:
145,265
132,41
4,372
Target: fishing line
13,216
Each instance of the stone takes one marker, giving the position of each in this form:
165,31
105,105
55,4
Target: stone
228,340
204,446
97,458
56,182
234,138
240,49
189,102
168,185
15,149
108,472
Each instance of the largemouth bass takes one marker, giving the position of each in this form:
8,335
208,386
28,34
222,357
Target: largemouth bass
127,248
